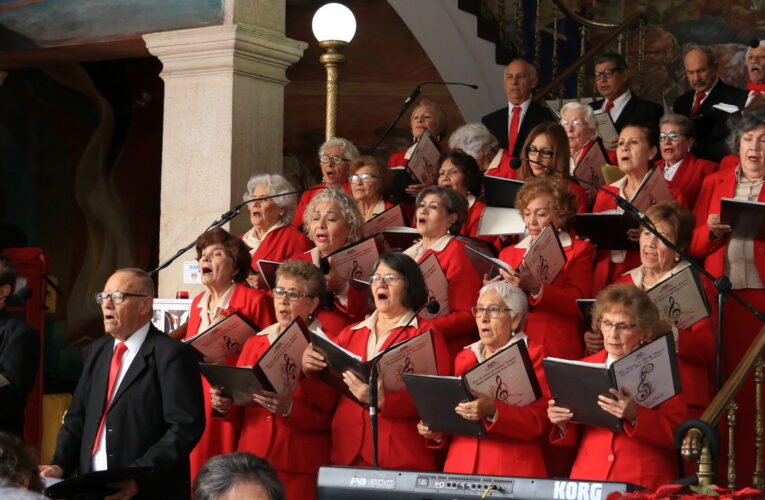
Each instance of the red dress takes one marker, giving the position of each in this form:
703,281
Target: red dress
296,445
686,183
553,317
696,349
397,159
739,327
642,454
281,244
470,227
219,436
401,447
306,198
512,446
500,166
458,325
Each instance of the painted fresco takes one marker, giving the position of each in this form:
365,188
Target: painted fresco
26,24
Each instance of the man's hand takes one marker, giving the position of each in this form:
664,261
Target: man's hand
127,490
51,471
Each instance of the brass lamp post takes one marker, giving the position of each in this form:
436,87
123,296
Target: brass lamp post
333,26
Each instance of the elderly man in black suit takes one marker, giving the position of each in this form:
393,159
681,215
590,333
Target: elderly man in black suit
612,82
19,357
512,124
707,90
138,402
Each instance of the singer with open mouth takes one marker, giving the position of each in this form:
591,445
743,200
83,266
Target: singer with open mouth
398,292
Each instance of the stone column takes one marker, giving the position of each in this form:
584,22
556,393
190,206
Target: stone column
223,122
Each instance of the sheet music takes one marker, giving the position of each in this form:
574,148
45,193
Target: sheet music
424,161
226,337
415,356
679,299
651,191
545,258
503,377
356,261
392,217
438,286
499,221
281,363
606,128
648,372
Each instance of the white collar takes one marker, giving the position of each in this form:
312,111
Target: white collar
371,322
470,200
252,240
637,273
496,160
416,251
135,341
621,100
223,303
478,348
409,151
563,236
524,106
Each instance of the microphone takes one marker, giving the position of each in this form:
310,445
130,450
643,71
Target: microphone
432,307
18,298
754,43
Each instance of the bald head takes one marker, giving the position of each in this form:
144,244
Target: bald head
124,319
520,79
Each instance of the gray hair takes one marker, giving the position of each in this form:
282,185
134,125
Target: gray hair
275,184
472,138
347,206
221,473
143,279
350,152
532,69
682,121
309,274
513,297
738,126
589,115
749,48
455,204
711,60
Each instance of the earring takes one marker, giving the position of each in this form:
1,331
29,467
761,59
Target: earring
677,258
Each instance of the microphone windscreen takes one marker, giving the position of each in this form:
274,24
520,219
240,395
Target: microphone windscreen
515,163
23,293
754,43
433,306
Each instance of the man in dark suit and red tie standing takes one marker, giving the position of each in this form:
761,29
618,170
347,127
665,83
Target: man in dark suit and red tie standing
511,124
138,402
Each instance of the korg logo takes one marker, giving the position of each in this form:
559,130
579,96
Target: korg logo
380,484
568,490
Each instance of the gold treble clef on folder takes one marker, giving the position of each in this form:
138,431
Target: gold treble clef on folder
502,392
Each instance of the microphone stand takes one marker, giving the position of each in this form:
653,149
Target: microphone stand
226,217
374,376
722,284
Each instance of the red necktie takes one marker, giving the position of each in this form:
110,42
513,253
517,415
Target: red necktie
114,370
756,88
697,103
609,106
512,136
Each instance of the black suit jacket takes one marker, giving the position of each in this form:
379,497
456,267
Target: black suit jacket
636,110
19,363
497,123
711,124
155,419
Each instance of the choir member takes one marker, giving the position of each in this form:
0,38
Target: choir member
398,292
682,170
440,213
742,260
280,427
512,446
271,236
370,181
547,144
224,264
755,56
335,157
554,316
641,453
476,140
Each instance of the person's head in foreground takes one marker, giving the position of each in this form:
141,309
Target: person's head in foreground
238,476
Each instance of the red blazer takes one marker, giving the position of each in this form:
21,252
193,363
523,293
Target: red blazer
553,318
306,198
609,153
721,184
503,170
581,198
696,349
642,454
219,436
729,161
281,244
397,159
512,446
470,227
401,447
458,326
686,183
283,441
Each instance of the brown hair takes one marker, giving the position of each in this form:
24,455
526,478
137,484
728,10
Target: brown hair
630,297
309,274
561,151
381,171
681,219
235,248
564,201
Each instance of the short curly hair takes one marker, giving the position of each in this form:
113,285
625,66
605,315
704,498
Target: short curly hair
384,176
468,166
564,201
275,184
18,465
315,284
628,296
348,207
235,248
681,219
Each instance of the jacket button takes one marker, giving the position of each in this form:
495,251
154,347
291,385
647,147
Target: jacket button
610,458
269,418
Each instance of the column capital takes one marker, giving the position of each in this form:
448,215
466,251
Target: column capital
217,50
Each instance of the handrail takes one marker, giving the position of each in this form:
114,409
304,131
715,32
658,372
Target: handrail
561,77
582,20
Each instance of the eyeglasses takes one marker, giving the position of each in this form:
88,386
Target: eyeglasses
618,327
672,136
544,153
291,294
117,297
448,173
388,279
363,178
493,311
573,123
336,160
606,72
